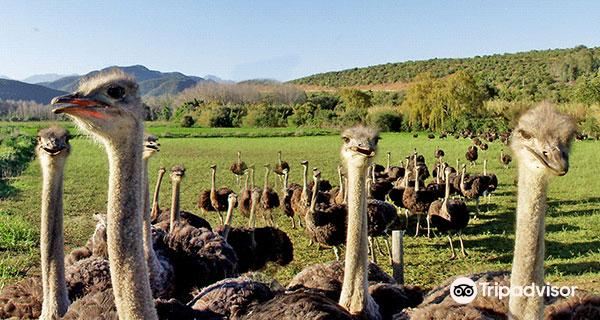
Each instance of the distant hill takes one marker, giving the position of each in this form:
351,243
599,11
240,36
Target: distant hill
536,74
17,90
152,82
217,79
44,77
3,77
260,82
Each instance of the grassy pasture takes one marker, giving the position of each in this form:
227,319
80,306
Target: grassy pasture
573,218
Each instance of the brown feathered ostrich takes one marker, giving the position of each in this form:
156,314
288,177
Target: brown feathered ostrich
417,201
393,172
165,219
286,197
355,302
255,247
472,188
439,154
300,199
269,199
325,222
505,159
109,107
24,299
449,215
541,144
280,166
214,200
471,155
246,192
238,168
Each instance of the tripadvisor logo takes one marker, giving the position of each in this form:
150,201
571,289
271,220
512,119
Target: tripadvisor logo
464,290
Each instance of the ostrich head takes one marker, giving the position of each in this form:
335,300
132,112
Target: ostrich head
232,199
542,140
177,173
151,146
53,141
360,144
107,105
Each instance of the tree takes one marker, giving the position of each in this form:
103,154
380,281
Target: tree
587,89
187,121
355,99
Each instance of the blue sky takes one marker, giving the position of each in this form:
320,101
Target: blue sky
277,39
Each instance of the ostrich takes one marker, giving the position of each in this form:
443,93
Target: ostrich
471,154
155,207
238,168
505,159
24,299
165,220
246,192
109,107
280,166
393,172
541,144
213,199
417,201
269,199
449,215
255,247
439,154
491,184
473,189
359,147
325,222
286,198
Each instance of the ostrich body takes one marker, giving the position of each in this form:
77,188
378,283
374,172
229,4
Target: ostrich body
439,154
269,199
280,166
417,201
214,200
238,168
450,215
325,222
505,159
108,107
473,187
471,155
286,199
246,193
300,199
393,172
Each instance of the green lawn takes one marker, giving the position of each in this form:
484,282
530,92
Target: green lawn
573,219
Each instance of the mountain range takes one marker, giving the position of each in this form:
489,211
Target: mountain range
151,82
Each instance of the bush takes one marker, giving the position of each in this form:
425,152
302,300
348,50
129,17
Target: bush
385,120
264,115
187,121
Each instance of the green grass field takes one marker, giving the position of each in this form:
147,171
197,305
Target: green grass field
573,218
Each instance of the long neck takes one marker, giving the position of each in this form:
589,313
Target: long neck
313,200
528,262
246,182
485,167
286,176
447,190
304,180
174,203
213,180
129,274
227,226
55,301
462,180
149,254
154,213
266,185
388,161
354,295
252,178
279,158
416,178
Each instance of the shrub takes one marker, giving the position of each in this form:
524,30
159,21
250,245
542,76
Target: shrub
187,121
385,119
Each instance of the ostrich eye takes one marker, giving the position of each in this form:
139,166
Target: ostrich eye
525,134
116,92
346,139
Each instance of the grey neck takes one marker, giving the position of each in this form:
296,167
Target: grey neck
56,301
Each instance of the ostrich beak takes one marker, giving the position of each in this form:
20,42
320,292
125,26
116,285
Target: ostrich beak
73,102
555,159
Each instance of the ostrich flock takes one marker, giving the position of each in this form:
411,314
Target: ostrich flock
144,262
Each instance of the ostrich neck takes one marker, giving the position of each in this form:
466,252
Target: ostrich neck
129,276
266,181
155,197
55,301
227,226
304,181
213,181
354,295
174,203
154,266
528,261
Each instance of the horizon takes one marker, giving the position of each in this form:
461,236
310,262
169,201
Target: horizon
272,40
